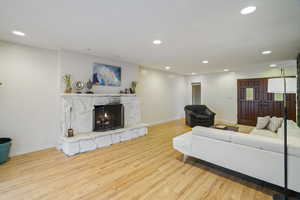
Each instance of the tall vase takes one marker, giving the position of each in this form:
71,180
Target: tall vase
133,91
68,88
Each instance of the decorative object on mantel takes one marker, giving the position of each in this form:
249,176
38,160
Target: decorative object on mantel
89,86
122,92
133,87
127,91
79,85
106,75
70,130
68,83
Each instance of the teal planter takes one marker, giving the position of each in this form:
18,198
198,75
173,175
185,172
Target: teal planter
5,144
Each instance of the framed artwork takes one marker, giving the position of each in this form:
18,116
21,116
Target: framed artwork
106,75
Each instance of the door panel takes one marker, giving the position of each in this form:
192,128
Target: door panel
262,104
248,109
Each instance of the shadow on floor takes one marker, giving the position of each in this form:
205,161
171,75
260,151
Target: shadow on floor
250,182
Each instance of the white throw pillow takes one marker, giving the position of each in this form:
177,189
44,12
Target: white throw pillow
275,124
262,122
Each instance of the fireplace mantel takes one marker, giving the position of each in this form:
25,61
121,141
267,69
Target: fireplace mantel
79,108
82,106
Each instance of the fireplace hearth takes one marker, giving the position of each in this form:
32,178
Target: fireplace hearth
108,117
122,113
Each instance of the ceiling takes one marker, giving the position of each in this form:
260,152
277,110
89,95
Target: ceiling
191,31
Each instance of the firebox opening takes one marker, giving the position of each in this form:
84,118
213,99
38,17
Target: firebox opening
108,117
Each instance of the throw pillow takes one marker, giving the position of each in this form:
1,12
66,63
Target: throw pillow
262,122
275,124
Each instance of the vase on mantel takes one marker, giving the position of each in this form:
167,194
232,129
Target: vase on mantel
133,87
67,80
68,89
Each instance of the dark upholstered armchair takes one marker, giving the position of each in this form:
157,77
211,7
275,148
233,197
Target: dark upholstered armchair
199,115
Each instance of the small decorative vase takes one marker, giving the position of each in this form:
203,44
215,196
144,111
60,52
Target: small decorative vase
68,88
70,132
68,82
89,86
133,86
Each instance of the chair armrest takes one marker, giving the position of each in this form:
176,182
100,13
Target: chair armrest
209,112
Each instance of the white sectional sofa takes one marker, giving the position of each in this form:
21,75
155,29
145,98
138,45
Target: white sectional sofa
257,154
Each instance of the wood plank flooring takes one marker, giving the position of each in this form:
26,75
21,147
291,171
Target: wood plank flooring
143,168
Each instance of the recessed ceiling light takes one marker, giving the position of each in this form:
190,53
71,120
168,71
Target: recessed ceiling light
266,52
204,61
167,67
226,70
273,65
157,42
193,73
248,10
19,33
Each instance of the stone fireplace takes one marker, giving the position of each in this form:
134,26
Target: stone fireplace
99,120
108,117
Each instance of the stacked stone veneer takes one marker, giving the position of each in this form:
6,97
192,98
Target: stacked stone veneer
77,112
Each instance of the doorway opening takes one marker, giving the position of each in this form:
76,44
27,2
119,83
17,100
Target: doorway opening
196,93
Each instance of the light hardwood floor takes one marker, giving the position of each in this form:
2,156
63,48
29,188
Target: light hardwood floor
143,168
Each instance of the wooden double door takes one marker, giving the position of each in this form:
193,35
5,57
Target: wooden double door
255,101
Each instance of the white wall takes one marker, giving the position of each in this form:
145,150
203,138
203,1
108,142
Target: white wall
29,99
163,96
81,68
219,90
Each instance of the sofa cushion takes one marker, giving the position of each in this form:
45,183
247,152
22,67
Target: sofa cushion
202,116
213,133
259,142
290,133
263,132
262,122
292,130
274,144
294,150
292,124
294,146
275,124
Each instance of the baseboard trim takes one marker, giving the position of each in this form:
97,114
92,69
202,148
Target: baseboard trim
164,121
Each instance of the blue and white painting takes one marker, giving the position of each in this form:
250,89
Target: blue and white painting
106,75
